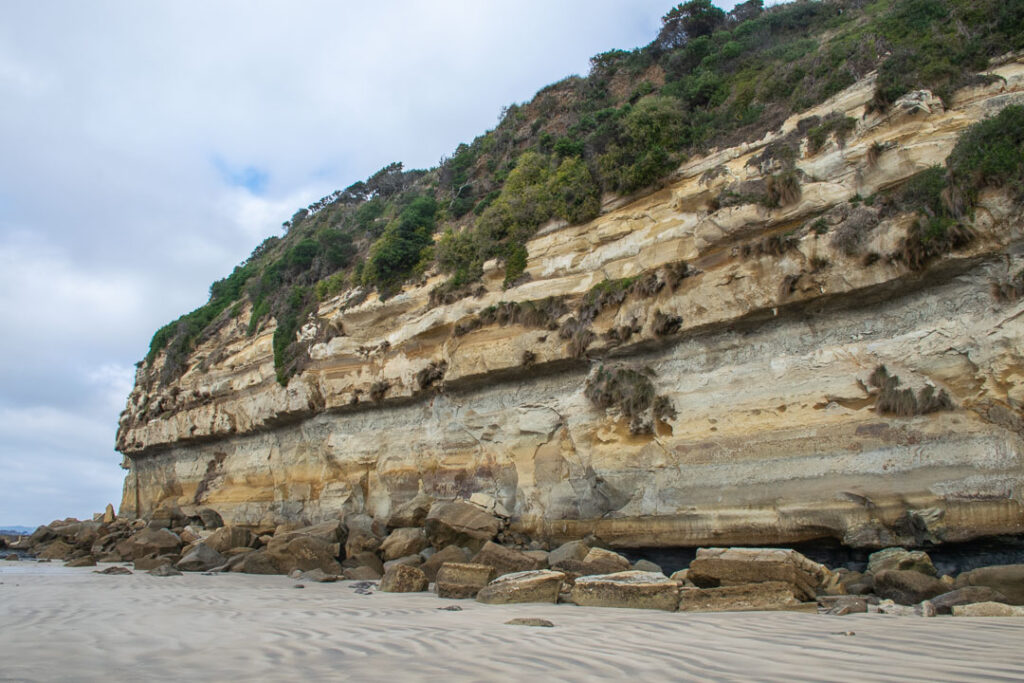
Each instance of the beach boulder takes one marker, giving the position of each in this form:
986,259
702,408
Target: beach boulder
988,609
164,570
967,595
504,560
462,580
364,558
459,523
86,561
541,585
763,595
1008,579
150,541
402,578
58,550
907,587
227,537
304,552
901,559
202,558
361,574
714,567
256,562
402,542
571,551
642,590
452,553
412,513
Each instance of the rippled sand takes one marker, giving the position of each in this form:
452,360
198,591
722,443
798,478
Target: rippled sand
71,624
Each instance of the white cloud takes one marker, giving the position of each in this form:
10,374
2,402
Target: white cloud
136,136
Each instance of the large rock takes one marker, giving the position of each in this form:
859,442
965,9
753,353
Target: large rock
988,609
305,553
902,559
42,534
202,558
1008,579
571,551
945,603
361,573
504,560
153,561
540,585
164,570
907,587
86,561
452,553
412,513
256,562
763,595
58,550
402,578
408,560
643,590
402,542
364,558
714,567
150,541
227,537
459,523
462,580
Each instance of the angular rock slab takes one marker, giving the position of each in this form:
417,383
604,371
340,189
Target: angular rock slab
202,558
451,554
1008,579
899,558
714,567
505,560
462,580
760,596
539,585
639,590
401,578
907,587
459,523
403,542
988,609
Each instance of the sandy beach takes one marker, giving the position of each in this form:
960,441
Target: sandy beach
58,623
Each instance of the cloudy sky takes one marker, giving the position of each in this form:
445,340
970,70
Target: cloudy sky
147,147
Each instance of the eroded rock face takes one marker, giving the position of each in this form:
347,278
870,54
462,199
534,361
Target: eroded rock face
763,346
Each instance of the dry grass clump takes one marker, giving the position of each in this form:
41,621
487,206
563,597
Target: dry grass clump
431,374
632,394
665,324
902,402
378,389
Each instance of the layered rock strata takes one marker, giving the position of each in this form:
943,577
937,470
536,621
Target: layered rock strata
757,329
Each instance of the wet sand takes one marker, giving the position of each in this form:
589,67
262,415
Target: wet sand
71,624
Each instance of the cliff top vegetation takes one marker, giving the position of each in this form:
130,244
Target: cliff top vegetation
709,78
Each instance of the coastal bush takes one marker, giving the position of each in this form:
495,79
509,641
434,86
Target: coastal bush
631,393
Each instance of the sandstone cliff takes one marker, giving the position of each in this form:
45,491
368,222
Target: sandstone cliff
760,332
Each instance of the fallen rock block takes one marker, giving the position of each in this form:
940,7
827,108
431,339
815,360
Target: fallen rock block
305,553
317,576
361,574
462,580
906,587
504,560
402,578
529,621
58,550
257,562
150,541
902,559
164,570
452,553
113,571
408,560
539,585
201,558
412,513
988,609
573,550
641,590
1008,579
761,596
841,605
967,595
715,567
87,561
227,537
403,542
364,558
459,523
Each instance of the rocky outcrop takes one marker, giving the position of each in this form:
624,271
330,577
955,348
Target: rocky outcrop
761,329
